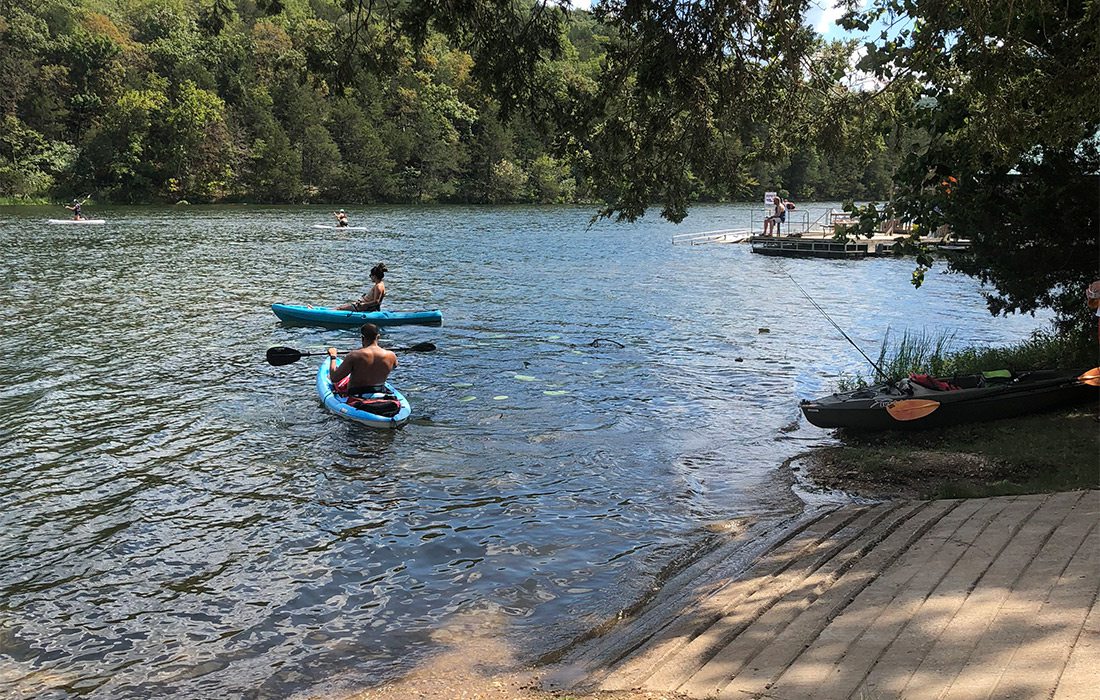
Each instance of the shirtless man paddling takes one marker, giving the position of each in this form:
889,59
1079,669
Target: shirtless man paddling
369,366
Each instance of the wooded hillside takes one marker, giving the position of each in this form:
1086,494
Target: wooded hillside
301,101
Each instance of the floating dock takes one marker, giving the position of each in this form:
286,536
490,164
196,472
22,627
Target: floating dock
825,238
792,247
803,246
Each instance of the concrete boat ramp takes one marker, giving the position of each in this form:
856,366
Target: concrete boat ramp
976,598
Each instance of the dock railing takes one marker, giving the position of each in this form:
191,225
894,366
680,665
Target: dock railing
828,224
798,222
824,222
833,222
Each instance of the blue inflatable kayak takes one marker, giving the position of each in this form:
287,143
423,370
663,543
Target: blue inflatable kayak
385,410
324,316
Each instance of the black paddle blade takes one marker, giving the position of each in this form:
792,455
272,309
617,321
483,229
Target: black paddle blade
279,356
422,347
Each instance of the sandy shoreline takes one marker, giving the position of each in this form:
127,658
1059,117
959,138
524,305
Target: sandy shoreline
474,662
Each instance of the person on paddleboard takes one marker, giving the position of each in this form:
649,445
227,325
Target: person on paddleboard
341,218
75,208
368,367
372,300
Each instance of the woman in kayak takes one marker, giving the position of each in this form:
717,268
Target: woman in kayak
372,300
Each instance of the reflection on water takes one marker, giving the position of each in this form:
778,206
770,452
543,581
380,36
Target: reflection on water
183,520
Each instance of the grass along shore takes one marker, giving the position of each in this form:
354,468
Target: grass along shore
1042,453
934,354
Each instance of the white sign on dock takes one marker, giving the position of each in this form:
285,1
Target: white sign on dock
769,200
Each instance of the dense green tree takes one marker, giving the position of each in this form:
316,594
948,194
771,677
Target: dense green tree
24,38
367,170
507,183
180,56
507,41
320,161
94,75
28,161
430,122
275,168
273,52
119,156
1006,98
473,101
215,16
272,167
196,156
228,58
490,143
551,181
681,78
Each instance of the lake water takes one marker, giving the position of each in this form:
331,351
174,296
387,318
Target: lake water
182,520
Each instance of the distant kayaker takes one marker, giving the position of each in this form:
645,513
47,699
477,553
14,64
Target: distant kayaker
372,300
341,218
75,208
368,367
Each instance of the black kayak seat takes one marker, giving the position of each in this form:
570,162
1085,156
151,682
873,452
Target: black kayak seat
383,406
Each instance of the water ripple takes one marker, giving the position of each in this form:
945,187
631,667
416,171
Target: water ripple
183,520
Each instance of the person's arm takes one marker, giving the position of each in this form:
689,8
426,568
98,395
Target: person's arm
337,373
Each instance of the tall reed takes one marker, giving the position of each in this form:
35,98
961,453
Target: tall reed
934,353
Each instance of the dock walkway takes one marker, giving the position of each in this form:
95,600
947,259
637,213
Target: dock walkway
976,598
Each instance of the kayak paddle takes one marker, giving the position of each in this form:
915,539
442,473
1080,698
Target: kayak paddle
279,356
911,409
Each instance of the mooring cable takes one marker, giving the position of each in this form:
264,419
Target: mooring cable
881,374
